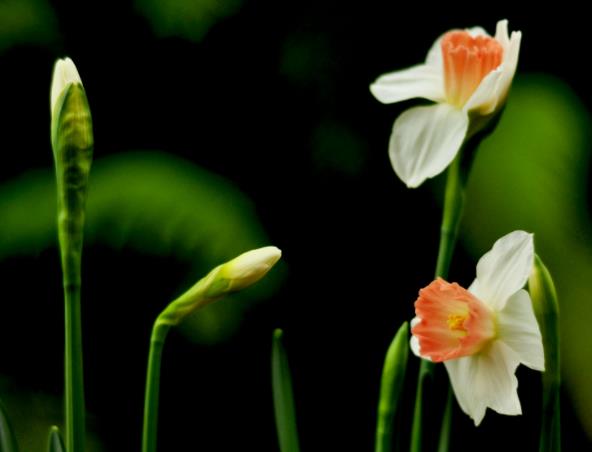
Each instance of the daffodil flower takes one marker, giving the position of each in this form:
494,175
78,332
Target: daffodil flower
482,334
468,74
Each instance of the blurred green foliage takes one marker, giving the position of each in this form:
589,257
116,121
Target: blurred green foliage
31,413
26,22
189,19
532,174
153,203
338,148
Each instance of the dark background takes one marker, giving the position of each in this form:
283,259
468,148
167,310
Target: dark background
253,100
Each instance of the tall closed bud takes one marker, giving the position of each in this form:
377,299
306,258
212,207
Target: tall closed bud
72,143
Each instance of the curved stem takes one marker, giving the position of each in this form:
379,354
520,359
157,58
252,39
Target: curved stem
159,333
453,205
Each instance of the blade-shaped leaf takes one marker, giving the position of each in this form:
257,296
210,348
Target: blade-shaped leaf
391,384
54,441
7,439
283,398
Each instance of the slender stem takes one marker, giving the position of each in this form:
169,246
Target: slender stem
454,198
444,442
452,213
159,333
73,371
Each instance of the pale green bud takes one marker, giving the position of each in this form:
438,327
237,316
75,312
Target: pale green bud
249,267
236,274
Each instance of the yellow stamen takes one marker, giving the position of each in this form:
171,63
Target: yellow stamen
455,322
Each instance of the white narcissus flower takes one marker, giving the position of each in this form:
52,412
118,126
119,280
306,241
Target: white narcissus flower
468,73
482,334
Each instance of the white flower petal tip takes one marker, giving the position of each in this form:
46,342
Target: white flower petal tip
486,380
482,334
414,342
504,269
467,70
64,74
250,267
421,81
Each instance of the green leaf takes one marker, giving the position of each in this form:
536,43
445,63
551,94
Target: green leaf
7,439
391,385
283,398
54,442
546,308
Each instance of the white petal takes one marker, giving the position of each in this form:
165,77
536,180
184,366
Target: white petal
501,33
493,89
417,81
477,31
64,73
486,380
503,270
425,140
519,330
414,342
486,97
509,64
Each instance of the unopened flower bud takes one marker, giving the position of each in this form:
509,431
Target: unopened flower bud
249,267
72,143
234,275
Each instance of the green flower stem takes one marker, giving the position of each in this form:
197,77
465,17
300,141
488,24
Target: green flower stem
453,205
454,199
73,370
159,333
546,307
283,397
391,386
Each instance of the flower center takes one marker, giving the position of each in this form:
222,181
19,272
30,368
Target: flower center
467,60
454,323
